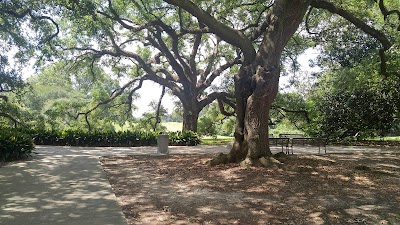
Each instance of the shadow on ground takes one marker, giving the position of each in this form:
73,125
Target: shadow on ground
57,190
309,189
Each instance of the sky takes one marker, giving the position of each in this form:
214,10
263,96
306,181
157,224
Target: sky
151,91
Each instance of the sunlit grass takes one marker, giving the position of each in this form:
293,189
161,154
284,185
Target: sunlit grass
219,140
394,138
172,126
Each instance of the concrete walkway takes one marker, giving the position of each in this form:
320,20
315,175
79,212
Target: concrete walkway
67,185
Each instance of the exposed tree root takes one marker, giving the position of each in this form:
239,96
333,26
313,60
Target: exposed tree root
220,159
260,162
248,162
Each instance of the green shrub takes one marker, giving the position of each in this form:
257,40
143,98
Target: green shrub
15,144
186,138
111,139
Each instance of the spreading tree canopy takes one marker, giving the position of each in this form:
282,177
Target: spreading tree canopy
256,84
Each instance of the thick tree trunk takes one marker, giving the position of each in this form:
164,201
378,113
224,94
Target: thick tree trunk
257,84
190,117
257,109
254,100
191,110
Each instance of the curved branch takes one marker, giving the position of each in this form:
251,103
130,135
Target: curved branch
257,23
158,119
48,39
213,96
381,37
115,16
222,109
387,13
203,85
5,98
130,96
307,20
30,13
113,96
15,121
304,112
226,33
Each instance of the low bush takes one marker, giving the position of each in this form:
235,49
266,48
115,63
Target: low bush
186,138
15,144
111,139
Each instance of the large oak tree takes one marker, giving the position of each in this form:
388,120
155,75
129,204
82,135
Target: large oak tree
137,40
256,84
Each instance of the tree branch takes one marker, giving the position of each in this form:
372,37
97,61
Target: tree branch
5,98
222,108
195,49
48,39
212,59
203,85
304,112
113,96
15,121
257,23
175,49
387,13
160,45
130,96
158,119
380,36
211,97
307,21
226,33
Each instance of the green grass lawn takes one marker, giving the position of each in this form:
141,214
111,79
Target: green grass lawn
395,138
220,140
172,126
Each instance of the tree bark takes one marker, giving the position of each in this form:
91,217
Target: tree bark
191,109
257,84
190,118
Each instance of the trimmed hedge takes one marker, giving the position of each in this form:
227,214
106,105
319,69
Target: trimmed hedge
111,139
15,145
188,138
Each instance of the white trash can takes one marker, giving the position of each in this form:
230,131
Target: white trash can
162,143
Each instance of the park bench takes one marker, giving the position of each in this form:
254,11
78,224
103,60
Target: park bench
319,142
284,142
299,139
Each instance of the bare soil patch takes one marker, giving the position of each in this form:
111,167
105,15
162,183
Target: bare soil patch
307,189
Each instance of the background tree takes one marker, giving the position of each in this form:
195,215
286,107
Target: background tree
153,41
23,32
212,122
138,40
11,86
354,102
54,98
152,120
289,112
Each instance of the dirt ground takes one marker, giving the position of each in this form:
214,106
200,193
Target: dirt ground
307,189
